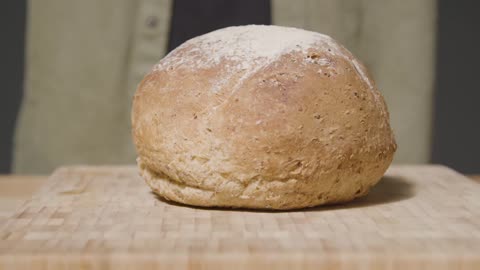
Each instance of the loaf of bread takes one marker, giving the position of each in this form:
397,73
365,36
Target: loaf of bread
263,117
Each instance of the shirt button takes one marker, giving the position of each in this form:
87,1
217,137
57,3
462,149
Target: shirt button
151,21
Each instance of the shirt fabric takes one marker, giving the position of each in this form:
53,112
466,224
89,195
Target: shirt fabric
84,60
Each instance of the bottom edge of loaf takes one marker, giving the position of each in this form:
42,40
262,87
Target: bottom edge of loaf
174,191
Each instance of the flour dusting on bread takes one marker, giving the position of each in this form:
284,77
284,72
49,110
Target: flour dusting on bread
249,48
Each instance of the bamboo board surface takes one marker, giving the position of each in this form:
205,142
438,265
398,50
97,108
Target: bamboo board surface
106,217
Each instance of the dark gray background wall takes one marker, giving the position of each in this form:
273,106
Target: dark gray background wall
12,33
456,139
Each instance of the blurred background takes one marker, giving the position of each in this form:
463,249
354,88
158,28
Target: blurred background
69,69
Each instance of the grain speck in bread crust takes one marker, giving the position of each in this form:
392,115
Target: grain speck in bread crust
263,117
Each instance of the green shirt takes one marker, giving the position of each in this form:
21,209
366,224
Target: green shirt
85,58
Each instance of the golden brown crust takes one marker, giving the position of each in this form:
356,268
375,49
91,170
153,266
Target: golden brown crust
305,129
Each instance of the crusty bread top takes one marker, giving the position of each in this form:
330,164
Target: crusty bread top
249,48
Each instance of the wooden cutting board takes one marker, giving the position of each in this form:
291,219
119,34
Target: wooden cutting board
106,217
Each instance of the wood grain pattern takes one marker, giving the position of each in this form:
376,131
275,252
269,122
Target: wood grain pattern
106,217
15,190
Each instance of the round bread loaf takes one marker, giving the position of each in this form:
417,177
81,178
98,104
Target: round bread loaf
261,117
